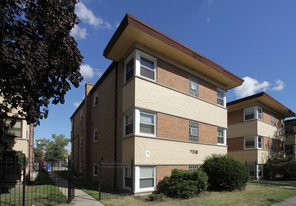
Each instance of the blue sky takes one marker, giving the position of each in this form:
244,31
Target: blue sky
255,40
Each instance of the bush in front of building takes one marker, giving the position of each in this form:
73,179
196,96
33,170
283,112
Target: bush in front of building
225,173
280,167
184,183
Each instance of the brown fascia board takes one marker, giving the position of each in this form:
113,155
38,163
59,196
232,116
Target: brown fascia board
137,23
264,95
77,108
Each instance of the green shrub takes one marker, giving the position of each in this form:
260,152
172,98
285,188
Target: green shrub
155,196
279,167
184,183
225,173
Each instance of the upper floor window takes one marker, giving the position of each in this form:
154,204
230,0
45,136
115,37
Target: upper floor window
253,142
140,64
253,113
221,97
140,123
193,131
221,136
95,170
95,135
15,130
272,119
193,87
81,115
96,99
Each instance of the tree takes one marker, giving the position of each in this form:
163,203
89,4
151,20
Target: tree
39,60
40,148
55,150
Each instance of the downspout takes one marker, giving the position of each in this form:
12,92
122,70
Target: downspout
115,126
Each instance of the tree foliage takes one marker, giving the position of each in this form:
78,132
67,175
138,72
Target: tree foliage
39,60
52,150
280,167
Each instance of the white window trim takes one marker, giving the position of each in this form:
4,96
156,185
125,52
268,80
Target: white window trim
272,120
224,97
95,131
255,137
137,180
193,80
224,135
94,169
255,110
137,123
257,171
124,122
136,55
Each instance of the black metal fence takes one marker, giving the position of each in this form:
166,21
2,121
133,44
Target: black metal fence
35,183
115,179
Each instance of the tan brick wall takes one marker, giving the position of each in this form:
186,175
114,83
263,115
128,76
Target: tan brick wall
235,117
207,134
178,79
172,127
235,144
163,171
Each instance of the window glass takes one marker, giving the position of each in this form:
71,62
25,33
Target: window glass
129,70
193,167
95,135
249,113
272,119
147,63
260,142
193,87
193,131
220,134
16,130
147,68
146,177
259,111
95,170
220,97
249,142
146,123
129,124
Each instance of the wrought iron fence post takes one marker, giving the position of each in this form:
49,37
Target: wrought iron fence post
100,183
132,175
69,180
24,180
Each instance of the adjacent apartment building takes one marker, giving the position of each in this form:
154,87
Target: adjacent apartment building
160,104
256,130
290,143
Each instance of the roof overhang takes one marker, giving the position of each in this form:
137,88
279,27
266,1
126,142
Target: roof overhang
133,31
264,99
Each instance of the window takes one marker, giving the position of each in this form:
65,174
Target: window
193,131
140,64
129,124
95,135
253,113
147,123
127,180
221,136
129,71
95,170
221,97
95,100
272,119
193,167
15,130
147,175
193,87
259,171
254,142
81,115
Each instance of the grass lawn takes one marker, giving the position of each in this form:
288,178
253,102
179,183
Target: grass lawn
253,195
269,182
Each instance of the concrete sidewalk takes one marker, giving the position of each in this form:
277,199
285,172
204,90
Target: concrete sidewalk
80,197
288,202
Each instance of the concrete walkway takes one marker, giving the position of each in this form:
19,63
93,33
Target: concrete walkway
80,197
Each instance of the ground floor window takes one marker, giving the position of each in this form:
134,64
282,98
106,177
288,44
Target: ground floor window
95,170
259,171
145,177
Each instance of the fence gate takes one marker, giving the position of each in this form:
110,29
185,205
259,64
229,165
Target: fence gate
35,183
115,179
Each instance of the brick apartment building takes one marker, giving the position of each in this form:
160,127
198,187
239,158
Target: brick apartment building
160,104
256,130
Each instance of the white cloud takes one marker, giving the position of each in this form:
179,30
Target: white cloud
78,33
87,71
76,104
208,19
250,87
279,85
88,16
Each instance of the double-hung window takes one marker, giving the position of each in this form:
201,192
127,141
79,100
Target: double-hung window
253,113
95,135
272,119
147,123
129,124
147,177
253,142
221,97
193,131
15,130
193,87
221,136
95,170
140,64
